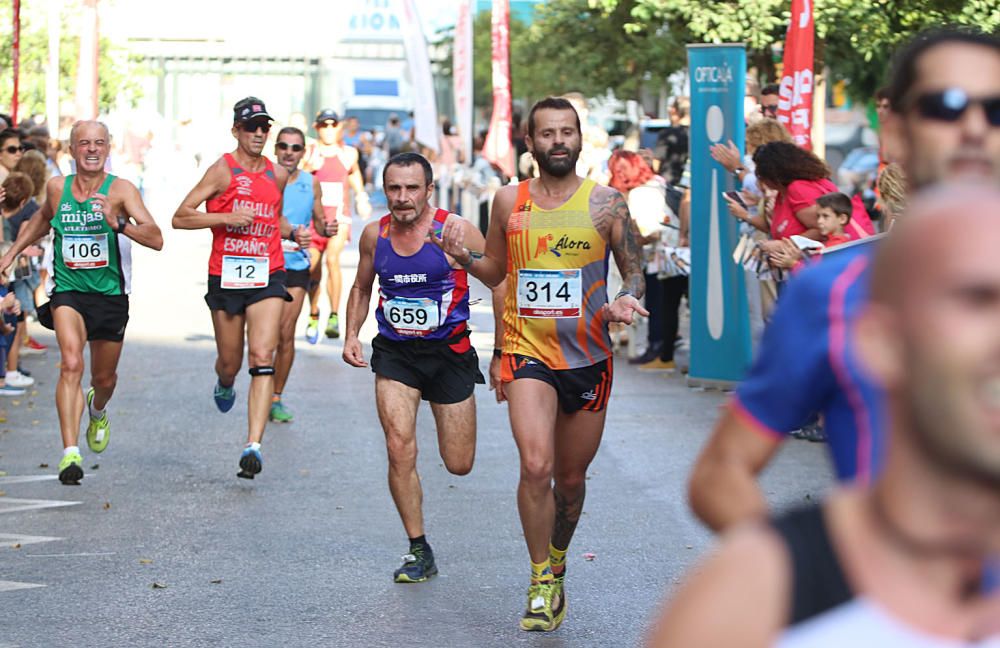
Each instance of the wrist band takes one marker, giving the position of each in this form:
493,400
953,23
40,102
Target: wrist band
622,294
497,352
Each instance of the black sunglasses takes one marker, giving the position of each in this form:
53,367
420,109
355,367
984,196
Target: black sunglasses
769,109
328,123
251,127
14,149
949,106
284,146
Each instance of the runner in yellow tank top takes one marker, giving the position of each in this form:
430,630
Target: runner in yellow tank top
549,238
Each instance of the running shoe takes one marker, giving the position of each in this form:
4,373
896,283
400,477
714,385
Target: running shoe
33,347
71,469
559,598
17,379
312,330
251,463
418,566
9,390
333,326
538,615
280,413
99,429
225,397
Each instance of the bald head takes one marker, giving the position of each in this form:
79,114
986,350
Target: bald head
931,335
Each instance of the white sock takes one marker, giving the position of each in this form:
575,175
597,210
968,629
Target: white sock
71,450
254,445
94,412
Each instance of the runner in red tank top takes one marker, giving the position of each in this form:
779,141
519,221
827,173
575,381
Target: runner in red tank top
336,166
242,192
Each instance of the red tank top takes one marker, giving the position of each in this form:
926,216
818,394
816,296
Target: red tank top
259,193
335,199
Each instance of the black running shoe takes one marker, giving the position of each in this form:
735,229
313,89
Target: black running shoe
250,463
418,566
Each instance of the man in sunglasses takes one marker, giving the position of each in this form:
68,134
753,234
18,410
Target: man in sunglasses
769,100
944,125
242,193
10,151
336,166
303,209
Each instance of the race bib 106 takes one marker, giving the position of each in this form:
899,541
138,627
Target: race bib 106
85,251
414,317
549,293
245,272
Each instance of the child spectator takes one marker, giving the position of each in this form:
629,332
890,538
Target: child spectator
832,217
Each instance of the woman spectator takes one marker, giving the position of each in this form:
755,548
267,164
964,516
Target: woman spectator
658,229
29,285
799,178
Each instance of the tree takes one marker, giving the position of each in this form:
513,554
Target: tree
115,82
855,38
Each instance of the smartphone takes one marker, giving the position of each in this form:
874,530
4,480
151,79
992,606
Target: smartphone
735,195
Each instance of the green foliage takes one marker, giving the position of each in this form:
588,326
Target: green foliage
116,71
855,38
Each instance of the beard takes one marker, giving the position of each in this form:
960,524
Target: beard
558,167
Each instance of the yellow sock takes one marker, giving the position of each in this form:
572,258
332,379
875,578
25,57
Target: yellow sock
541,572
557,559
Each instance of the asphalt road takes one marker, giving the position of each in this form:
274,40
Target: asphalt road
162,545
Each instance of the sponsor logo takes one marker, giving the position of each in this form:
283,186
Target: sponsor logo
712,74
410,278
589,395
565,245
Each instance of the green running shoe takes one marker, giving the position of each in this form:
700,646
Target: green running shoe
99,429
559,600
418,566
280,413
333,326
71,469
538,616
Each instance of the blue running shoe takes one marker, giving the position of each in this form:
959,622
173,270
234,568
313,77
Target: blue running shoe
250,463
225,397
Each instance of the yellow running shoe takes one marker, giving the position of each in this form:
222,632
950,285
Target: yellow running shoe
538,615
71,469
99,429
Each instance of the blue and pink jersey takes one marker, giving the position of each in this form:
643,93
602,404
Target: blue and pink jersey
807,365
420,296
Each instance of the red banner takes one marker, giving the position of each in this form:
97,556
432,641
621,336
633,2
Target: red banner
498,148
796,88
16,61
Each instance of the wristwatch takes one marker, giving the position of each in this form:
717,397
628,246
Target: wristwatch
122,222
737,171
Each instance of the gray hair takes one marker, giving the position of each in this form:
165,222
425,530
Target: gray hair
72,131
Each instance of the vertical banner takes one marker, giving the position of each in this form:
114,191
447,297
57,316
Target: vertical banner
425,116
52,69
86,71
720,327
796,87
462,70
15,62
498,148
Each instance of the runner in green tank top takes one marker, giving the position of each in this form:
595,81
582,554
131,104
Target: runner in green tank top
95,217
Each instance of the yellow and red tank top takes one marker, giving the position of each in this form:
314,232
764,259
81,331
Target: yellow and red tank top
557,269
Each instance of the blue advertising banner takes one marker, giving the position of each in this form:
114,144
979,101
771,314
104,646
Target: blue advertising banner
720,328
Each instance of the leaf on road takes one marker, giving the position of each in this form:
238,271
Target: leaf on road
215,581
16,545
95,466
589,556
43,465
145,561
15,402
2,493
159,586
107,505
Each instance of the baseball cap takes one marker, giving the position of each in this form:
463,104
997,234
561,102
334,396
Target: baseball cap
249,108
327,114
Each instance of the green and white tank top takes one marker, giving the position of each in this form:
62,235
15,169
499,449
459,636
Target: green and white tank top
87,254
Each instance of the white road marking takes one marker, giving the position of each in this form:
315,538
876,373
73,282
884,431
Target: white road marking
11,539
23,479
9,586
72,555
14,504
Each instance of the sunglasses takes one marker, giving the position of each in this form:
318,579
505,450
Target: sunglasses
284,146
769,109
252,127
14,149
327,124
949,106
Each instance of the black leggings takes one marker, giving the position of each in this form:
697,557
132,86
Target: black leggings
673,289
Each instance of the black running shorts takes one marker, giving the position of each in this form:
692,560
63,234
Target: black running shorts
297,279
441,374
104,316
585,388
235,301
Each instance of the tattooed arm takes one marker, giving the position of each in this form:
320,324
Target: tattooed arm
611,217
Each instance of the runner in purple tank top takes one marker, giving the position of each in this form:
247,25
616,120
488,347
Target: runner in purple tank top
422,349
